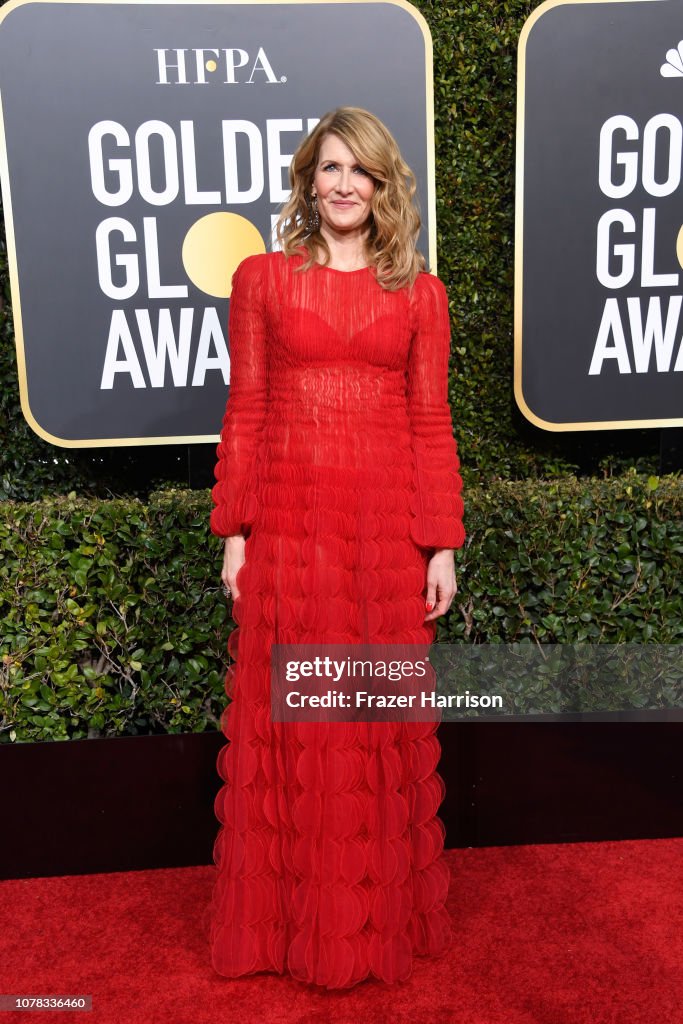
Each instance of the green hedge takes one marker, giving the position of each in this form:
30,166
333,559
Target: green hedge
115,622
475,50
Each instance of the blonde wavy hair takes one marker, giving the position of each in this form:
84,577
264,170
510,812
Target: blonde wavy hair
390,246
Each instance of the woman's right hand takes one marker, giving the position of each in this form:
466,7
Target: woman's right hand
233,560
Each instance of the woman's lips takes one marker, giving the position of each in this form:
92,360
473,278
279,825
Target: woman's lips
342,204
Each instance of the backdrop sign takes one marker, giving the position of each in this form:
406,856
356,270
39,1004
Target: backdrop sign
599,239
145,152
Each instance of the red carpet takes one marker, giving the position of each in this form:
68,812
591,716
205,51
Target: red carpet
582,933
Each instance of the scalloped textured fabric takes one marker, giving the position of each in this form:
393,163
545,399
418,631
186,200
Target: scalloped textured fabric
337,463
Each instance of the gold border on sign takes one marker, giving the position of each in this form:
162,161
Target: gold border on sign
519,219
12,5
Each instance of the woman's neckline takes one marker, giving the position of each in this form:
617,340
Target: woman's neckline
303,256
335,270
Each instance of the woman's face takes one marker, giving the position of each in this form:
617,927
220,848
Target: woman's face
344,188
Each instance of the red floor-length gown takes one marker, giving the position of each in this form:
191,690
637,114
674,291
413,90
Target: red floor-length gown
338,464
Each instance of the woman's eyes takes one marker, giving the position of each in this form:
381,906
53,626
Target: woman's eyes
361,169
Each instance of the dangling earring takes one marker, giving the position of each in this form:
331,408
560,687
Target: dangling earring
313,222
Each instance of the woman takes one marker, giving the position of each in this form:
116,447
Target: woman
338,494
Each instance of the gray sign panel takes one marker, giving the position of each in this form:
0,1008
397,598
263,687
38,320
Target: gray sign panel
145,152
599,249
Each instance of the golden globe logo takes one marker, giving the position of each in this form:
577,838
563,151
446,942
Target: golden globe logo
650,160
230,66
189,339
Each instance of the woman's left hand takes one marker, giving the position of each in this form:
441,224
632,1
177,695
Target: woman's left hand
441,583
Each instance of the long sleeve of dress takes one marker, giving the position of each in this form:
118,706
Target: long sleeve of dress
436,503
235,503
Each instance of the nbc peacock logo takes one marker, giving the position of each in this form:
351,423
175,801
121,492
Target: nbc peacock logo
673,65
